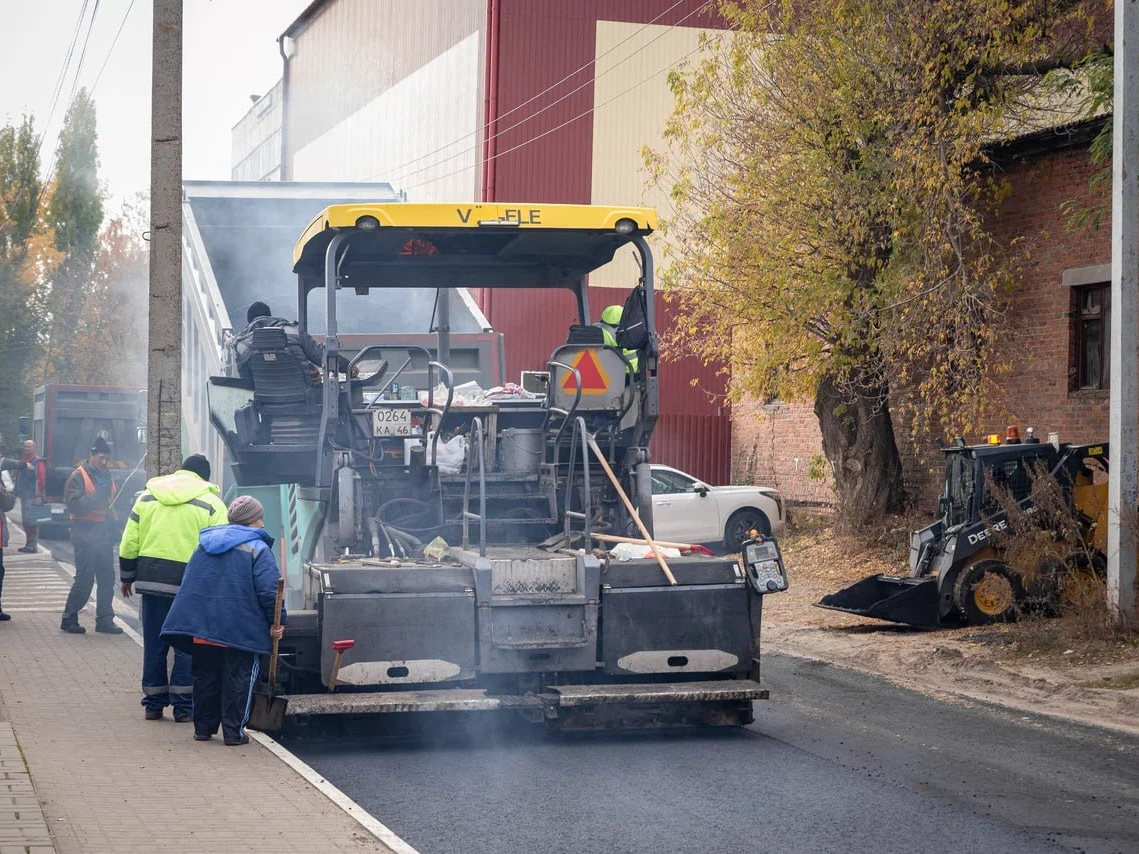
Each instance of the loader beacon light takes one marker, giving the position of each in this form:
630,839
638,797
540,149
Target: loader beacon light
764,565
367,223
625,226
994,439
1012,435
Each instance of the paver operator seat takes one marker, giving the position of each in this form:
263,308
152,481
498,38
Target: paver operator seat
278,429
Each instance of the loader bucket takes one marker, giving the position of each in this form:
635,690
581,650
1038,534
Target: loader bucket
884,597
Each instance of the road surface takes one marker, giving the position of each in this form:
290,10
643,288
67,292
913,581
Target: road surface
837,761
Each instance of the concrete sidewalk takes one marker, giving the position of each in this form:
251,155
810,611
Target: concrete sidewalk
110,781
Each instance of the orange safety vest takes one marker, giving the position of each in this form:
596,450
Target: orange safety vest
89,488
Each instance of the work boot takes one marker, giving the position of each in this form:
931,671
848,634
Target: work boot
202,736
237,742
71,626
28,550
4,616
154,714
181,717
108,628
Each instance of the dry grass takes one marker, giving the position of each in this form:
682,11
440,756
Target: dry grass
820,562
1043,547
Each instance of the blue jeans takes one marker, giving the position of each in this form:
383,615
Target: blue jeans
162,687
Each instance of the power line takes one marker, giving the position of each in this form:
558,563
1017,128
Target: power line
575,72
62,76
82,56
554,103
57,90
111,50
50,172
581,115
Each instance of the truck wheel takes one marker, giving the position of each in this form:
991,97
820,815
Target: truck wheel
989,591
740,523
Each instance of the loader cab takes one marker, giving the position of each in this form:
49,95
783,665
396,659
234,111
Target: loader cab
957,504
979,478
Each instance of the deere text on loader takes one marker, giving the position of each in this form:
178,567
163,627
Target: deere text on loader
454,543
957,571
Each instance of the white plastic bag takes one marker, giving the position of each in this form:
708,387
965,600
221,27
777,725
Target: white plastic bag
450,455
631,551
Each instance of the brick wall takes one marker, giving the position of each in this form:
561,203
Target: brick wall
1038,392
774,445
779,445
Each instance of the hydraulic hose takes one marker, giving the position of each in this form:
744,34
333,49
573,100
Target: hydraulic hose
383,513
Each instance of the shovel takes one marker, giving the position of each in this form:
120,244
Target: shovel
339,647
268,712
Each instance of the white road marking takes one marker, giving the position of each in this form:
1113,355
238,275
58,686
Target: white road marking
379,830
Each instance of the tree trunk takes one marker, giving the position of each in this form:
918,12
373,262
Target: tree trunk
858,439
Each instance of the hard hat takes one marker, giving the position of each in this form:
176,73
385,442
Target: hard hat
612,315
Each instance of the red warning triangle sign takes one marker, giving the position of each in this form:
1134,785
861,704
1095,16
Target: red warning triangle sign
594,380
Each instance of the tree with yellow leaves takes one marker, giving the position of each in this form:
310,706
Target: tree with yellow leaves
830,179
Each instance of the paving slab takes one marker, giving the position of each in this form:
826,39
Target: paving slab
110,781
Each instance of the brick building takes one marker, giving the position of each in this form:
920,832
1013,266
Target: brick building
1057,330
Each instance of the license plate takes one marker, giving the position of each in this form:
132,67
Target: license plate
391,422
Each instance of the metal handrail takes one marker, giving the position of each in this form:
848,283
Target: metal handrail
568,413
409,348
586,513
479,441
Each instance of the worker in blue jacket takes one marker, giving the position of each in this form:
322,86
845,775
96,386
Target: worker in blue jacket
223,616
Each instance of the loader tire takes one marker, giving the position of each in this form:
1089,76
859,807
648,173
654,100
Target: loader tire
1082,585
989,591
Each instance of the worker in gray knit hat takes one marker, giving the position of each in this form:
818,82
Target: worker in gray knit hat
247,510
223,616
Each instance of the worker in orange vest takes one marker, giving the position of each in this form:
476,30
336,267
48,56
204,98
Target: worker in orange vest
89,495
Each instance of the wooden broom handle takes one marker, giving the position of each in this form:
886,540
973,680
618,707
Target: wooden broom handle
632,510
276,641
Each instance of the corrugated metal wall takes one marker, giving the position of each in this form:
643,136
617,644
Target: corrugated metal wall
547,158
350,51
550,158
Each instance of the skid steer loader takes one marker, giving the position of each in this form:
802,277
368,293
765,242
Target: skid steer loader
958,574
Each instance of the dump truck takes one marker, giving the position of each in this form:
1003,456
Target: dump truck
66,419
958,572
451,562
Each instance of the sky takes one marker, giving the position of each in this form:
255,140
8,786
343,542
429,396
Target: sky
229,53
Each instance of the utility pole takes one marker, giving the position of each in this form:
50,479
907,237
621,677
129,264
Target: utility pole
164,362
1123,484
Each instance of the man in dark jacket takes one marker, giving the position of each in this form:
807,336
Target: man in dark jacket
89,494
158,539
223,615
308,352
30,479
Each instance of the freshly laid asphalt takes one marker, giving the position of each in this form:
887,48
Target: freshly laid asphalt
836,761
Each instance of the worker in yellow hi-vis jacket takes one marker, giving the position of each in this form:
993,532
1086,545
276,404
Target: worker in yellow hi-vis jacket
159,537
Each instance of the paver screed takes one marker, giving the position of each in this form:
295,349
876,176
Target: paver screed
110,781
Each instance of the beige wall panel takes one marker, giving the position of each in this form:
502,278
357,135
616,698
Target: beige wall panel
434,112
632,102
353,50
